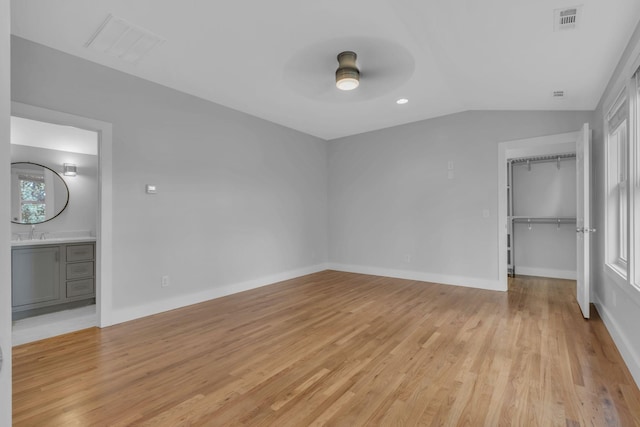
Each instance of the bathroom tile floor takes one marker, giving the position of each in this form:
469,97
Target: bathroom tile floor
53,324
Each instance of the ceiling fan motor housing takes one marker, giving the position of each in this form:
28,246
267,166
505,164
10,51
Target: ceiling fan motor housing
347,68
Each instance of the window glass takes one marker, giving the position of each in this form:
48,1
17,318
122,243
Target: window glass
32,200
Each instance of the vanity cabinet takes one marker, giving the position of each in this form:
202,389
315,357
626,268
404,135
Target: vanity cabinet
48,275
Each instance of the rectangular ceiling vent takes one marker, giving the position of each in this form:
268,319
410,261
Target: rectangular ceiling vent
567,18
124,40
558,94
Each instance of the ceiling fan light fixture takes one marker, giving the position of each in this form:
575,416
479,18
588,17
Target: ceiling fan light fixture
347,74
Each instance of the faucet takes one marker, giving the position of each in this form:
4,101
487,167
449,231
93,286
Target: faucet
32,232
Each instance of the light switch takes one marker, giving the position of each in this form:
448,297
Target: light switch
450,165
150,189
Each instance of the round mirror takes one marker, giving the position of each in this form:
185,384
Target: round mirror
38,194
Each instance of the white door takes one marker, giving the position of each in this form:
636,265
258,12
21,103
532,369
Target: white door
583,217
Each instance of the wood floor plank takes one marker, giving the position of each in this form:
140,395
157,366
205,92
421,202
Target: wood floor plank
337,348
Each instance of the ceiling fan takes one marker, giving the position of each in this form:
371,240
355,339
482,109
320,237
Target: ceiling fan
374,66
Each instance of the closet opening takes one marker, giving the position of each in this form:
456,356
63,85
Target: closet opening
541,216
544,220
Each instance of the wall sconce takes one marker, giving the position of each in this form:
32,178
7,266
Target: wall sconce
69,169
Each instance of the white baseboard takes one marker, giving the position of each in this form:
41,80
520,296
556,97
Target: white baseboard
546,272
155,307
470,282
629,355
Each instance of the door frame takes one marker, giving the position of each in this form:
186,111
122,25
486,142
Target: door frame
104,231
543,145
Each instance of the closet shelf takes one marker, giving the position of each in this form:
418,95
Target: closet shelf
543,219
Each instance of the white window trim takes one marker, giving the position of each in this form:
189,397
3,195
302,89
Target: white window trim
616,268
634,182
625,275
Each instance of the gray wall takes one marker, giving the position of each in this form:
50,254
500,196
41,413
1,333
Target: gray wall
81,212
390,196
5,229
238,198
545,249
618,305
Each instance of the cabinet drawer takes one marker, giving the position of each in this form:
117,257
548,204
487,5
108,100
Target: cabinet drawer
79,270
80,287
79,253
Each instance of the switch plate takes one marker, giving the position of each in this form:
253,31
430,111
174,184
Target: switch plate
165,281
150,189
450,175
450,165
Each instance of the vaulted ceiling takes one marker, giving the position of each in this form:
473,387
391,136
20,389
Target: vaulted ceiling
276,59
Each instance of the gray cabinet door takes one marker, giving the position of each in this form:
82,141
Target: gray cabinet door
35,275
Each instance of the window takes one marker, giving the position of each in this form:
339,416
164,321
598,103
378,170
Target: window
622,214
617,223
634,188
32,199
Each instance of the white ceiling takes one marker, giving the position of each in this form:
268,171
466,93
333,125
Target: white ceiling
275,59
34,133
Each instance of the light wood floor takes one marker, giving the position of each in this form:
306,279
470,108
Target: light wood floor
338,349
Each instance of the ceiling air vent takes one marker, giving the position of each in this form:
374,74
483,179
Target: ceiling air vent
567,18
126,41
558,94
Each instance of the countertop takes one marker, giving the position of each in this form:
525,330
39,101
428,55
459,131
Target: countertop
51,241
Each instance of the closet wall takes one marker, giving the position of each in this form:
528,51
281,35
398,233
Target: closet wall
542,190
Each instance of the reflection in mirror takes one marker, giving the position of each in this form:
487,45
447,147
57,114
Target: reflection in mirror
38,194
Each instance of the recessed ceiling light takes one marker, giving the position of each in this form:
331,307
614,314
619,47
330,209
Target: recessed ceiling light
402,101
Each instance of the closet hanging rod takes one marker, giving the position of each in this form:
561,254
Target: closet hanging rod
544,219
540,159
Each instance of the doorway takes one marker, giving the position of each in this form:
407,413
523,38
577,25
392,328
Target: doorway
54,209
541,147
579,143
103,222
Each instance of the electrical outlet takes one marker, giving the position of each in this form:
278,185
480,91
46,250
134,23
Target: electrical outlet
165,281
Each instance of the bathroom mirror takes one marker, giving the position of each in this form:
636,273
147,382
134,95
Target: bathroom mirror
38,193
